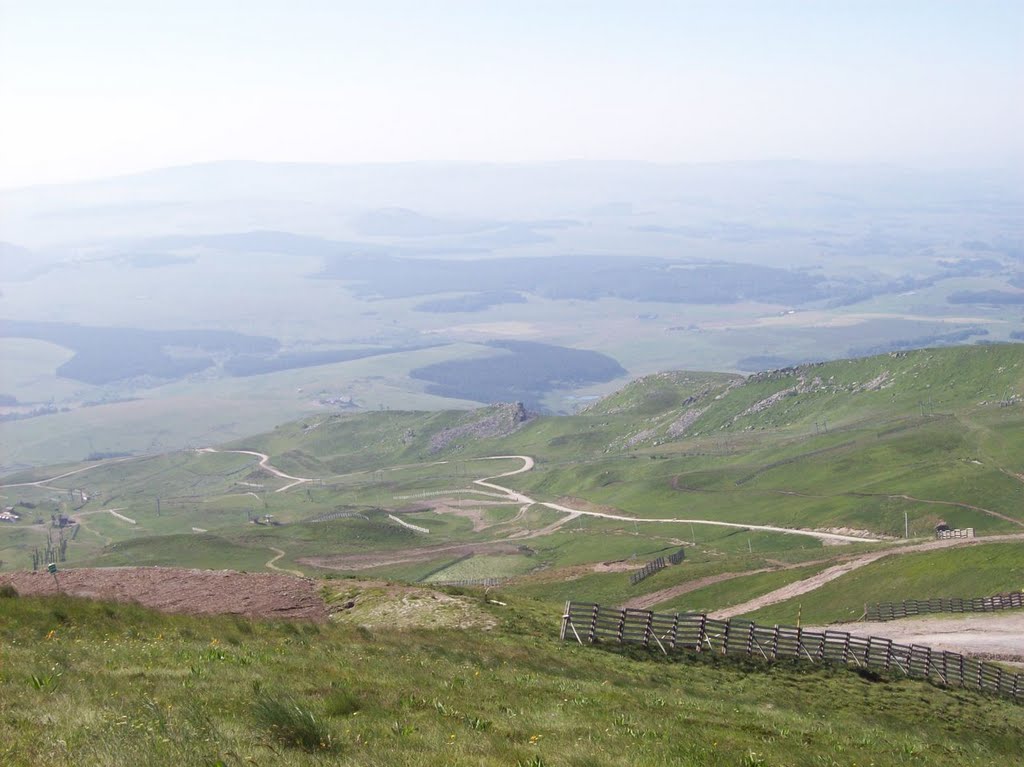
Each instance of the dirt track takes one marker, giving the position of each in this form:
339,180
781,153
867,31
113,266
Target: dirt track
177,590
649,600
820,579
403,556
998,636
520,498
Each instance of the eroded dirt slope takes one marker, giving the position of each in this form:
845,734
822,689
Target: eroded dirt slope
179,590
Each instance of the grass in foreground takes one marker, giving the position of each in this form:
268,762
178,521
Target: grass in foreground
85,683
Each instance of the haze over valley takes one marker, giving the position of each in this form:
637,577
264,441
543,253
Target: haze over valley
289,289
482,384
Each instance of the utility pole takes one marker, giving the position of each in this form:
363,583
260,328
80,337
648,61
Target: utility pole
906,525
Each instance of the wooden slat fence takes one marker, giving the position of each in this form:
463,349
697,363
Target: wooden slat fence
332,515
889,611
589,623
471,582
647,570
676,557
966,532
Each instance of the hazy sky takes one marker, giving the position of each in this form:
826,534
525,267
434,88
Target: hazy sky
92,87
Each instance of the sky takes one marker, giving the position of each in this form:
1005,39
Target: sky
107,87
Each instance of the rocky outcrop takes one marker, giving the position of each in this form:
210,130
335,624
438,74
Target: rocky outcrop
499,421
681,425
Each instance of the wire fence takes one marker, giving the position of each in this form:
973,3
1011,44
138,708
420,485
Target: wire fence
488,582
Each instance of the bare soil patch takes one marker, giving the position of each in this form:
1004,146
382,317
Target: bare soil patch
994,636
469,508
179,590
620,566
402,556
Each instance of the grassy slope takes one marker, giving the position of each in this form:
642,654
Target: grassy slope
881,459
970,571
93,684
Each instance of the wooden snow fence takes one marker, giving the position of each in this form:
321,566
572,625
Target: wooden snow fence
676,557
889,611
589,623
647,570
487,582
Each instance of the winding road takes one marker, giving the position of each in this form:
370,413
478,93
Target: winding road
818,580
264,464
42,482
521,498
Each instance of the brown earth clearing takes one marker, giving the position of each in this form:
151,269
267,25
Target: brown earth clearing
178,590
994,636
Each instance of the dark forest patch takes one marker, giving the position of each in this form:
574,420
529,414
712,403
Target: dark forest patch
104,354
524,371
474,302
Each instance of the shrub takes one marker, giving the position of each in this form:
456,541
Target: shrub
7,591
291,723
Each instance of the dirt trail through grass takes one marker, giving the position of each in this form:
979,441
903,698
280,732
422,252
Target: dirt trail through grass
42,482
528,464
820,579
905,497
264,464
279,553
647,601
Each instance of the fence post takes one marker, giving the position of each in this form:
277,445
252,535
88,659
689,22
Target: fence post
592,629
675,631
820,653
983,676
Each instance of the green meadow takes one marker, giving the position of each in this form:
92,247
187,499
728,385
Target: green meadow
84,683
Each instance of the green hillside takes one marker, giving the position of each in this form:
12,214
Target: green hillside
876,447
969,571
86,683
